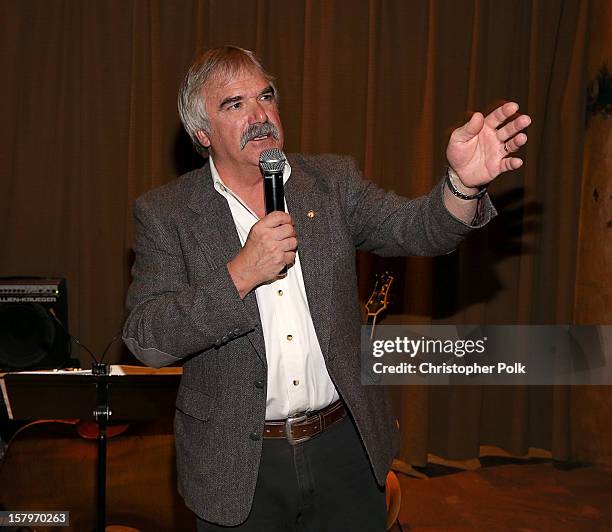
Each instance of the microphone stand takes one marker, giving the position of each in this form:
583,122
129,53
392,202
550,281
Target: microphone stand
102,413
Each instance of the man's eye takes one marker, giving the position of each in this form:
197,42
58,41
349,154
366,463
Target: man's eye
267,97
236,105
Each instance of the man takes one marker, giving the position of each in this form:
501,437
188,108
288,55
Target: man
274,430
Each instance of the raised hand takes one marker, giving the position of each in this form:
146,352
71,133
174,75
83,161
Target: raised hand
478,151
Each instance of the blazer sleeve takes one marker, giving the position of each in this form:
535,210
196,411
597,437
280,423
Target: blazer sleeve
390,225
168,318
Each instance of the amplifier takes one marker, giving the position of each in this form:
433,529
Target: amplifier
29,336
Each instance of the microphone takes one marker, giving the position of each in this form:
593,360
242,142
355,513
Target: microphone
272,163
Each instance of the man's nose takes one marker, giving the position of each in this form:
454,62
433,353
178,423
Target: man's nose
257,113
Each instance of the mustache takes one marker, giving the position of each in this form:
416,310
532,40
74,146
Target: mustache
258,130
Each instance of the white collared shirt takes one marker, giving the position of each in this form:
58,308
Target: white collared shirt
298,380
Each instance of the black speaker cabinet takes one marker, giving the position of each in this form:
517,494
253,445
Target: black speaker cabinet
29,336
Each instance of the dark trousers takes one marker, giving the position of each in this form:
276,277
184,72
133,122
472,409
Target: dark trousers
323,484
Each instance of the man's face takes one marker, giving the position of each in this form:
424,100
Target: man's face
237,111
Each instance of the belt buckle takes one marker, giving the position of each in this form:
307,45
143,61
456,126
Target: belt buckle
291,420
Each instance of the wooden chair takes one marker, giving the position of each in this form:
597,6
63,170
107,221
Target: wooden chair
393,494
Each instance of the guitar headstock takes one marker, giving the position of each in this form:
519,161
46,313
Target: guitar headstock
379,300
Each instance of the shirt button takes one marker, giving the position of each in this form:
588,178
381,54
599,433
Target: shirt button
254,436
259,383
280,292
310,214
289,337
296,382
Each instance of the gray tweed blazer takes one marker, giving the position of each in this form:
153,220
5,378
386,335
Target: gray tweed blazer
183,306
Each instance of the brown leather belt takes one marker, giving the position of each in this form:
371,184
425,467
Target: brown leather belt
302,427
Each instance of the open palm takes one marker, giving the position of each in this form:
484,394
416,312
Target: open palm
480,150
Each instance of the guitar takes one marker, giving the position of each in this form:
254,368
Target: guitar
379,300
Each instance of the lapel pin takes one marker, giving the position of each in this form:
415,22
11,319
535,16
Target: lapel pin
310,214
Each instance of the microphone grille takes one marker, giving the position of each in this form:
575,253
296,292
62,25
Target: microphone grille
272,160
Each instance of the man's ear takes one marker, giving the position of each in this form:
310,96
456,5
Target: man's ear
203,138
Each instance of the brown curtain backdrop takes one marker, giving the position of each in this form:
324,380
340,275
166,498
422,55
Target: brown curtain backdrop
591,436
89,123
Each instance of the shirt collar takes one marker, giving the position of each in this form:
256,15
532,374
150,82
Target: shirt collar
220,186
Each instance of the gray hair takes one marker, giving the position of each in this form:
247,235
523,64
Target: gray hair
216,64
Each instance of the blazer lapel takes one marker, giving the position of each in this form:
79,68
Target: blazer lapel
215,231
310,209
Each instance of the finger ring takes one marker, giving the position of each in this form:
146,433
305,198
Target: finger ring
506,148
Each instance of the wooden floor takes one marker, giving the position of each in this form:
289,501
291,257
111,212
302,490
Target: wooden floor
530,496
504,494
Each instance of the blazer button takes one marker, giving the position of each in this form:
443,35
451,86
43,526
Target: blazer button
259,383
255,436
